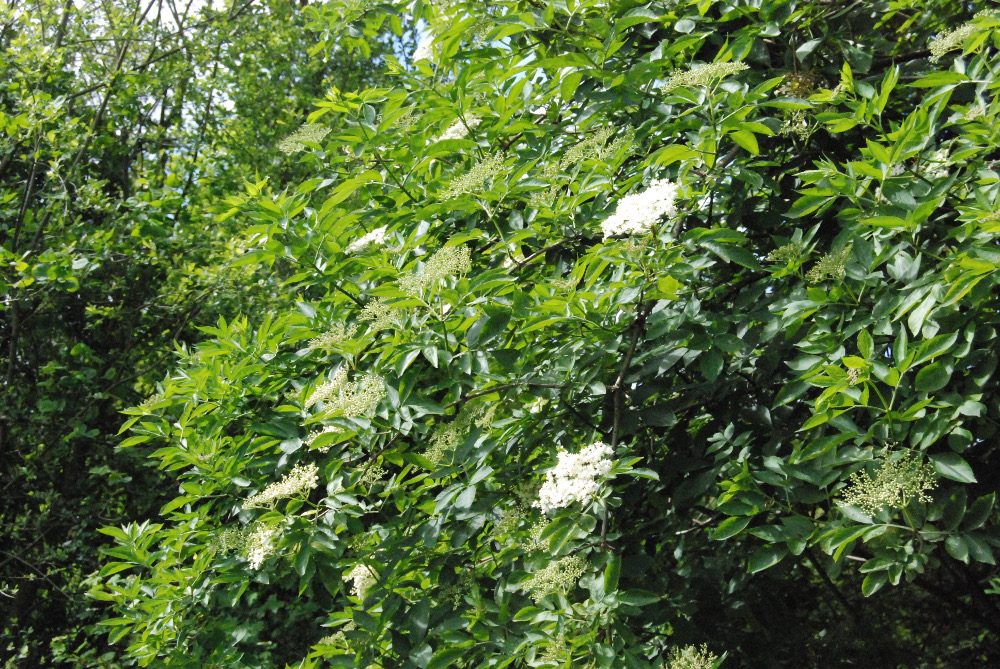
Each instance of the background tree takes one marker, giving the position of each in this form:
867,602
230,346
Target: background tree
621,328
121,126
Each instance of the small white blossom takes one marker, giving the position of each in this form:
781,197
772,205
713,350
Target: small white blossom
337,334
374,238
364,578
637,213
575,477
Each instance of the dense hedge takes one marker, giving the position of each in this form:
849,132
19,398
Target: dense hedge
616,328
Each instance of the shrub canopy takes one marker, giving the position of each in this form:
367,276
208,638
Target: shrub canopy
615,328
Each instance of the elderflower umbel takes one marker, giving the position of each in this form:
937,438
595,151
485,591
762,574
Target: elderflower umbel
380,314
458,130
300,480
316,434
446,262
350,399
448,435
258,544
374,238
896,483
636,214
364,578
557,576
337,334
574,478
475,179
424,50
830,266
690,657
308,133
596,146
950,40
702,76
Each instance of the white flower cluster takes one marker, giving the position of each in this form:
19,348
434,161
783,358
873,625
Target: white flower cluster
364,578
637,213
458,130
424,50
380,314
574,478
259,546
374,238
301,479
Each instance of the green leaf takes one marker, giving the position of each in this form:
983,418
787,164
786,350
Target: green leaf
933,377
730,527
873,583
637,597
979,512
957,548
766,557
953,466
449,657
747,140
866,346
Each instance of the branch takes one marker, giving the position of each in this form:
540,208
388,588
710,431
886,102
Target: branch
494,389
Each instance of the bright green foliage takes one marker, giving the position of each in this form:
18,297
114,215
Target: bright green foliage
821,295
123,124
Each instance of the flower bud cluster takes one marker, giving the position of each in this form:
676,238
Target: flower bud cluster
690,657
380,314
557,576
299,481
446,262
448,435
349,399
637,213
897,482
259,544
830,266
596,146
575,477
702,76
950,40
316,434
337,334
308,133
475,179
